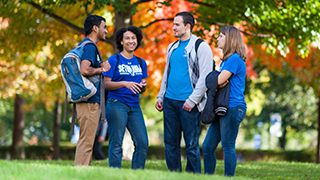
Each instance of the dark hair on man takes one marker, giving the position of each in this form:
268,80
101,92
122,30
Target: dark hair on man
119,36
92,20
187,19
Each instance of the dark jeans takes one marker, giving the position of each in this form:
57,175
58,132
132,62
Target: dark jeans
121,116
177,120
224,129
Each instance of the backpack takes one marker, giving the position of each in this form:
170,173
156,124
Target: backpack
78,87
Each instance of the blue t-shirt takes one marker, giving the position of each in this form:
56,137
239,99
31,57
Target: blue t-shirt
90,53
237,66
127,70
179,83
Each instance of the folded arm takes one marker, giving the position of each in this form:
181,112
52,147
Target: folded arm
87,70
112,85
223,78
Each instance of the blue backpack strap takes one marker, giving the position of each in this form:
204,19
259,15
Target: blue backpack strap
90,42
102,99
85,43
74,116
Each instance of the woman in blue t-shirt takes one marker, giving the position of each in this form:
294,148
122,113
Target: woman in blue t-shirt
124,81
225,128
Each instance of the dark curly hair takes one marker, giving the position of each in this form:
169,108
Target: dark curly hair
119,36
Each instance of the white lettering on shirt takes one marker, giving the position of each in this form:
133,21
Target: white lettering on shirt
132,70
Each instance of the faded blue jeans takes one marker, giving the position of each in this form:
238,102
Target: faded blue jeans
224,129
177,120
121,116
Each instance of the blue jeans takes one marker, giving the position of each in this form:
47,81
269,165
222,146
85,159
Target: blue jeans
175,121
121,116
224,129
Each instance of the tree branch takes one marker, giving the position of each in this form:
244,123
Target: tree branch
258,35
108,40
56,17
211,22
244,32
204,4
141,1
158,20
221,24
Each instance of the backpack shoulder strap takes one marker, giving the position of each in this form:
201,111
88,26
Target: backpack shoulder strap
90,42
118,59
86,42
173,45
198,42
139,60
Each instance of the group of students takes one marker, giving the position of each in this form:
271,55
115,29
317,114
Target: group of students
182,96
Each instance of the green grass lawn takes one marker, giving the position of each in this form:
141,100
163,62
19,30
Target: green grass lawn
155,169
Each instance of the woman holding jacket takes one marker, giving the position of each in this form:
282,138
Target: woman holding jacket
225,128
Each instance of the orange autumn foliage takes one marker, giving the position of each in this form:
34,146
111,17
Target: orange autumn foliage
159,35
306,69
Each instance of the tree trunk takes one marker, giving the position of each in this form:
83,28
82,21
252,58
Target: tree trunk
17,148
56,130
122,19
318,144
285,121
283,140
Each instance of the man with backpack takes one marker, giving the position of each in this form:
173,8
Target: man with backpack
182,93
88,112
